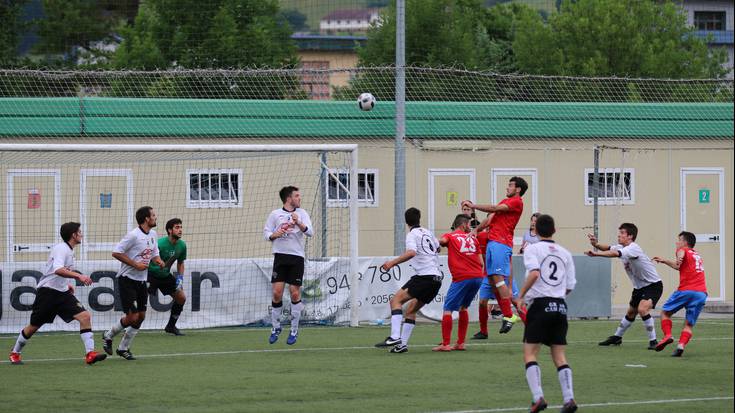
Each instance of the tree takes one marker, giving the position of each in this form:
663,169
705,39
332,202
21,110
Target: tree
11,26
224,34
626,38
296,19
69,23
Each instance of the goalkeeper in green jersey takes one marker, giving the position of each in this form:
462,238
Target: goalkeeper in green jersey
172,248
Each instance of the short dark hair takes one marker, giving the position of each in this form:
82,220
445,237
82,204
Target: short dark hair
142,213
459,220
171,223
68,229
690,238
412,216
286,192
545,226
520,183
629,228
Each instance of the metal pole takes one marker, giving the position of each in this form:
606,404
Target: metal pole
400,154
323,201
354,238
596,193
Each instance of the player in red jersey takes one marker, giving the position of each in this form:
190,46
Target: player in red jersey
500,244
691,294
467,275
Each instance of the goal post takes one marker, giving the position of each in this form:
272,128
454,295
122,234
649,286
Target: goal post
222,192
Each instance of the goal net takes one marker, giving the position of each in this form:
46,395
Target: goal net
222,193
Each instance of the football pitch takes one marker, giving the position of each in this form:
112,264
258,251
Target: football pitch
336,369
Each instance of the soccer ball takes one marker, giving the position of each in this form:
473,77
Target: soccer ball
366,101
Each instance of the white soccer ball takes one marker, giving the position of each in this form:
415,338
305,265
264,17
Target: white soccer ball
366,101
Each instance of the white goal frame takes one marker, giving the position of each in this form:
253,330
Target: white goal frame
352,204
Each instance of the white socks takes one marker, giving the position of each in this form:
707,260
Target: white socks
565,380
276,313
624,324
20,342
87,340
533,378
408,326
648,322
127,339
115,330
296,309
396,319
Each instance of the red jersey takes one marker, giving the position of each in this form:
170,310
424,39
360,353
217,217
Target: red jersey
691,271
504,223
482,239
464,258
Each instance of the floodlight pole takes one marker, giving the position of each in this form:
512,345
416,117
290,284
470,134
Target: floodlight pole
400,153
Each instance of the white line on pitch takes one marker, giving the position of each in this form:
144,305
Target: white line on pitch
605,404
316,349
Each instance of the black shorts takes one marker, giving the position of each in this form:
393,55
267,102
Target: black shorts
49,303
133,295
288,269
546,322
650,292
167,285
423,287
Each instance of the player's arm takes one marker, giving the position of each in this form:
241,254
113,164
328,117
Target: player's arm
608,253
407,255
533,275
268,231
673,264
489,208
443,241
304,223
128,261
67,273
596,244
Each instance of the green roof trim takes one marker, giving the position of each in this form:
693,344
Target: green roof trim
92,116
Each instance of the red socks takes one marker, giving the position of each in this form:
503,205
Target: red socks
464,321
483,319
446,329
666,327
505,304
684,338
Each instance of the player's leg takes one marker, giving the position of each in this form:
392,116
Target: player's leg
396,316
498,266
409,322
469,293
85,333
126,288
179,299
627,320
486,293
644,310
452,302
694,307
424,289
297,306
558,355
675,302
137,316
43,311
533,376
25,334
277,288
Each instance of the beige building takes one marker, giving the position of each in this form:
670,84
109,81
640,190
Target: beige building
320,53
676,177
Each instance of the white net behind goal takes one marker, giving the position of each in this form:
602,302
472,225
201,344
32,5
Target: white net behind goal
223,199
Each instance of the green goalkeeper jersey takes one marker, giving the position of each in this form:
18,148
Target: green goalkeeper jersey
169,253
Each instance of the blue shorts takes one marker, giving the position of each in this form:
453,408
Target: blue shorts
486,293
692,300
497,260
461,294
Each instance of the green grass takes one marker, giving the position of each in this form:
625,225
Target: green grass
338,370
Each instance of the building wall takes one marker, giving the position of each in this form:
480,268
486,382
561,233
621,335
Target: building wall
691,6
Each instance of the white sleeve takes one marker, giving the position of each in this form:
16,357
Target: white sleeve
530,260
125,243
58,257
270,225
571,274
632,251
307,221
411,242
156,252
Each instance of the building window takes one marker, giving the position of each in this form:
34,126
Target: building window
339,185
315,83
709,20
214,188
616,186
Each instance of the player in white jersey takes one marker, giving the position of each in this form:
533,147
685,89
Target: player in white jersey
422,249
55,296
647,285
287,228
135,252
550,277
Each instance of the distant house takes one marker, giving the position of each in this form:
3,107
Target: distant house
713,21
348,20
